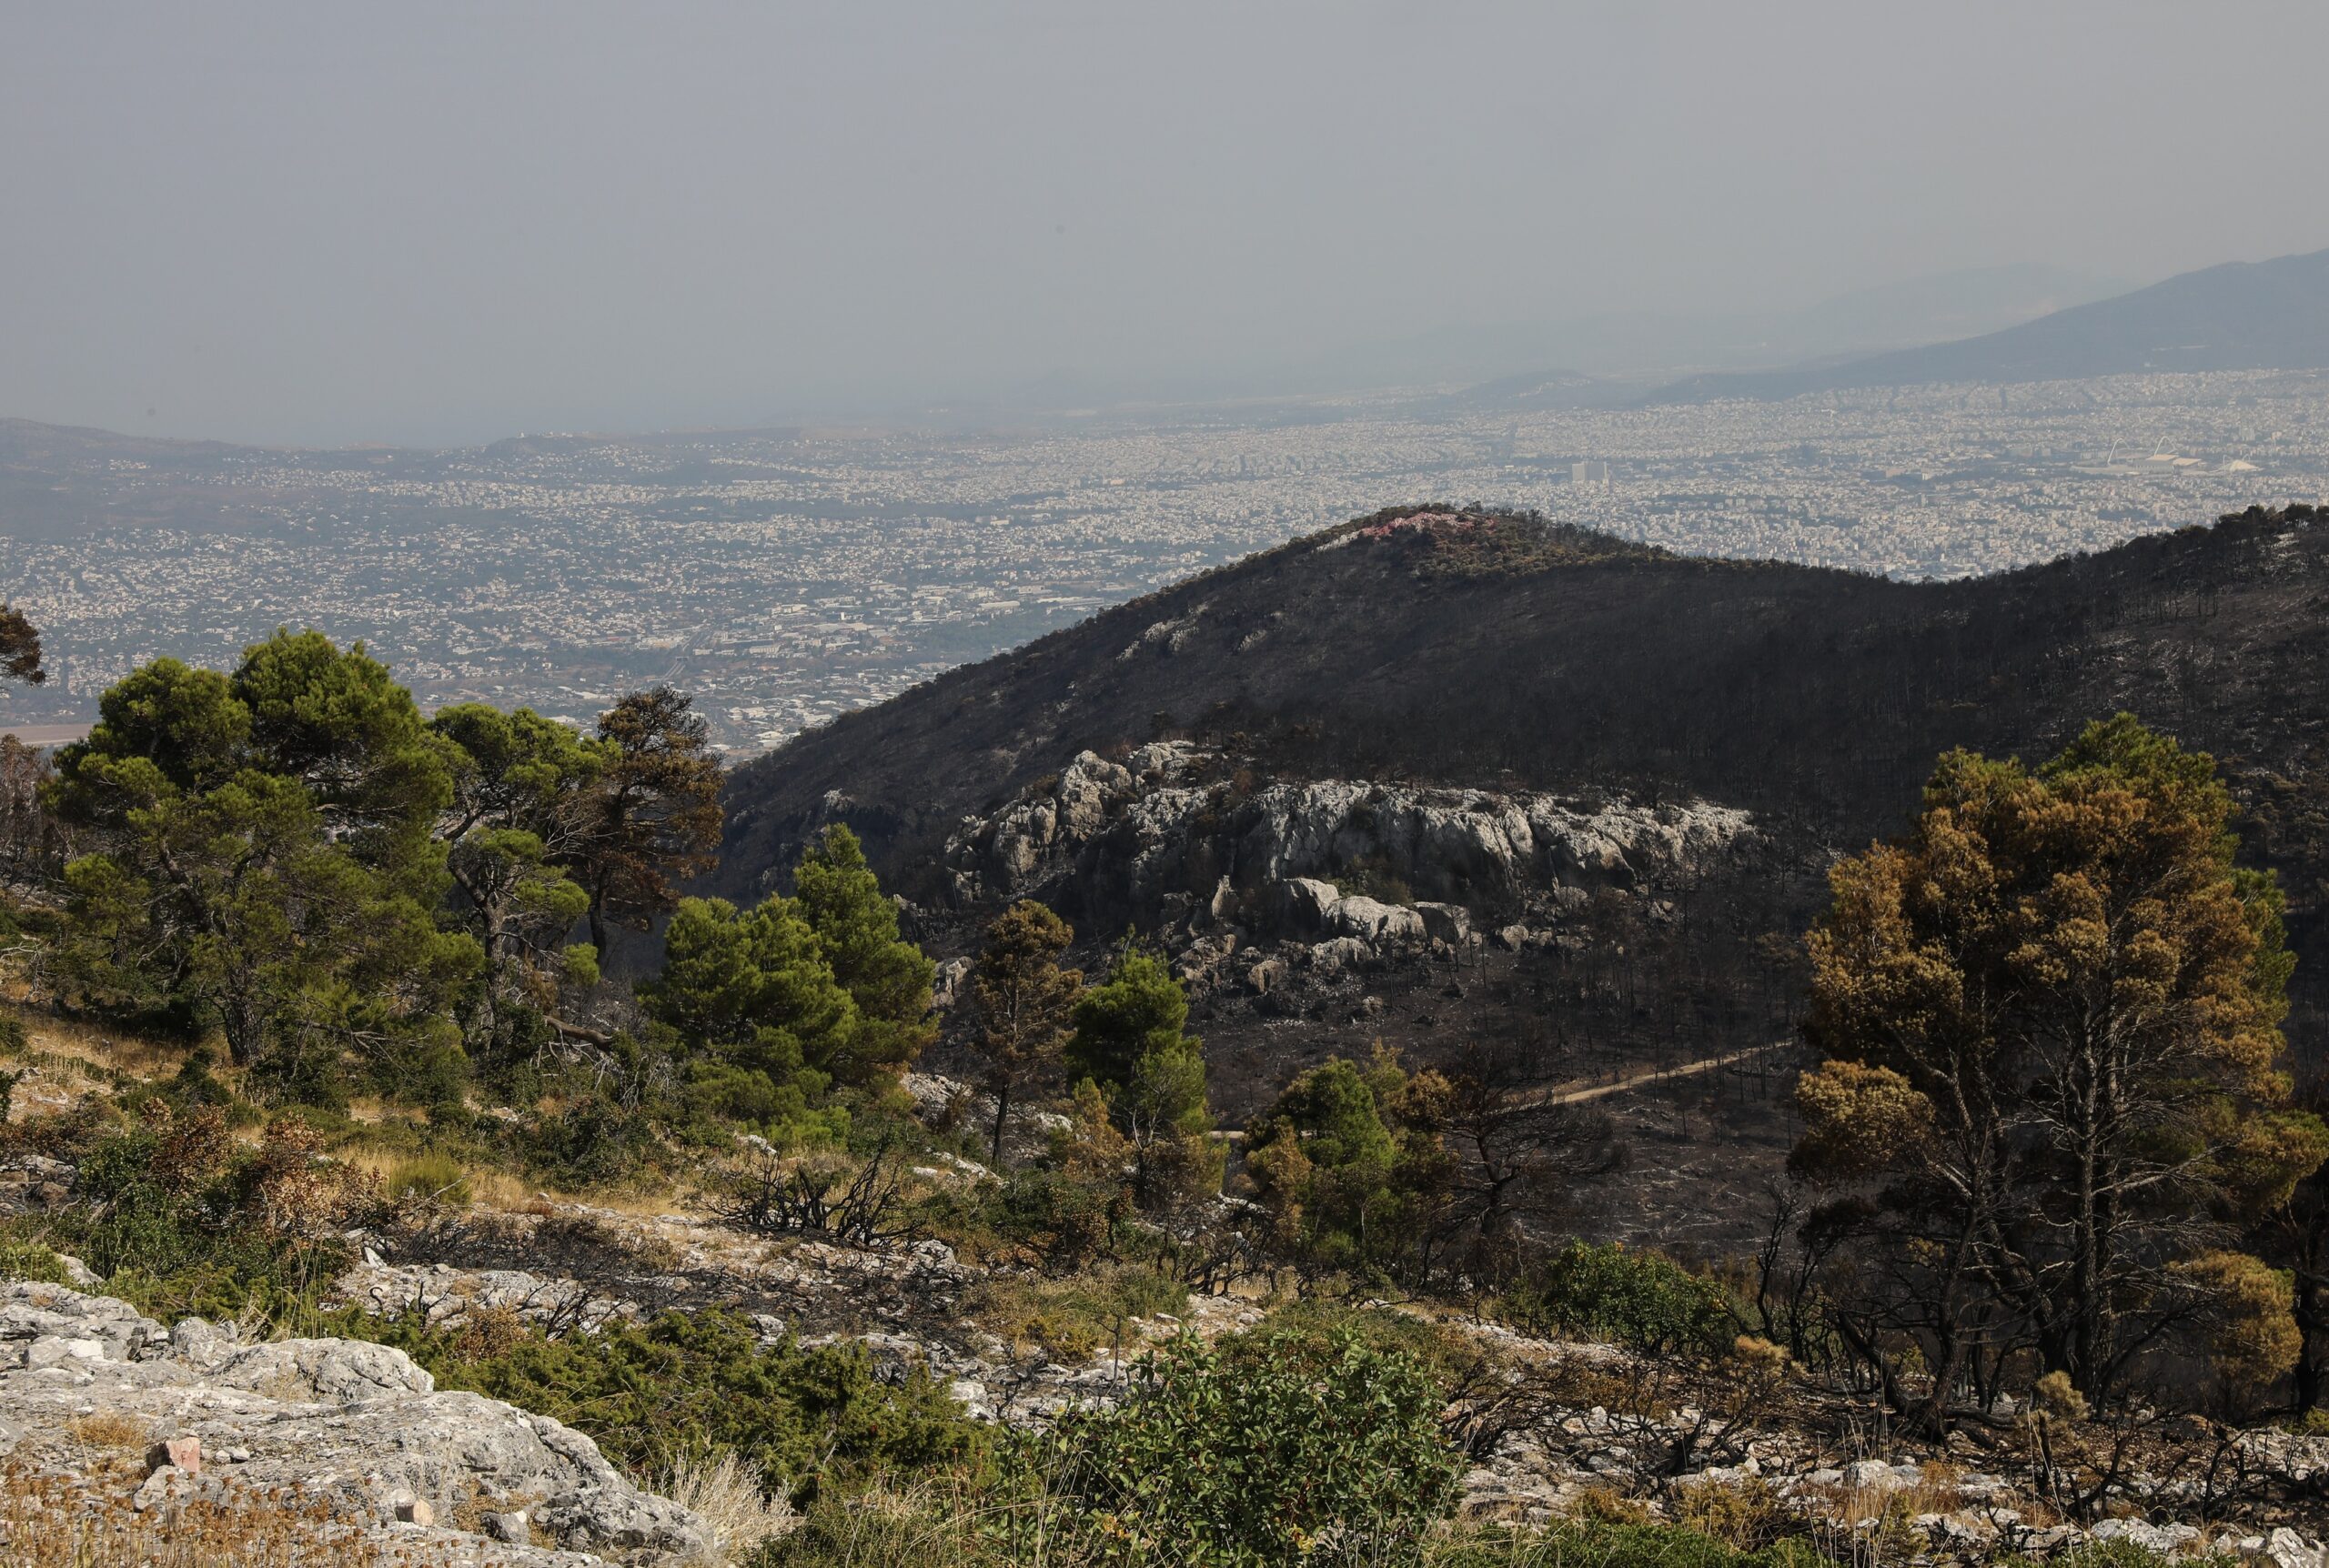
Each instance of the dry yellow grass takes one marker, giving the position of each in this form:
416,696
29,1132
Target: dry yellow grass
731,1498
375,1158
1933,1493
70,1061
74,1059
504,1192
1607,1506
140,1056
501,1190
110,1429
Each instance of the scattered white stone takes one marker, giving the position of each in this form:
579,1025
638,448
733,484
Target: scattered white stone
2167,1539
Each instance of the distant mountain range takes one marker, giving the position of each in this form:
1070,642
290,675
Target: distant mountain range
2241,316
1645,344
1608,357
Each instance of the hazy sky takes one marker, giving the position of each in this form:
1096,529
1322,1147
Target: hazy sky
403,221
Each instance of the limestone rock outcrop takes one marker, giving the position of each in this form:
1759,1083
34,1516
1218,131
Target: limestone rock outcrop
353,1427
1163,835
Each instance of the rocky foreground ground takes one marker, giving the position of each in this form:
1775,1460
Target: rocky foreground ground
104,1408
107,1415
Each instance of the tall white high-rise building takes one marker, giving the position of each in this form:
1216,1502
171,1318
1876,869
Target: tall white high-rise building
1588,472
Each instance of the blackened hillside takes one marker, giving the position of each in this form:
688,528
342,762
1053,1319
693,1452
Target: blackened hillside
1492,651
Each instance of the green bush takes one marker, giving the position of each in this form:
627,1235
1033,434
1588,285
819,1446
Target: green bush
434,1177
1639,1300
1319,1458
1351,1176
30,1261
182,1218
683,1384
596,1140
194,1086
1054,1220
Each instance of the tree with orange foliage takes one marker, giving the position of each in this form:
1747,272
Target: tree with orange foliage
2050,1015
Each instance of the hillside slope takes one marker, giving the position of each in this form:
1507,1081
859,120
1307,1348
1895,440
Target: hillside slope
2241,316
1584,662
1685,746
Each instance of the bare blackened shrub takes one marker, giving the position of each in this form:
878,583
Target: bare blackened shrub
851,1203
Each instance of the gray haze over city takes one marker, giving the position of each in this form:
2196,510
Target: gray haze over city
446,223
852,342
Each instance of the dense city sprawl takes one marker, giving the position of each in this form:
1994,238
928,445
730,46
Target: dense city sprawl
784,576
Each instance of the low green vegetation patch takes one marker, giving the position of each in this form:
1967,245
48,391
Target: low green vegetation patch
28,1259
1300,1452
1074,1317
181,1217
942,1528
1641,1301
434,1177
1611,1544
687,1385
1307,1326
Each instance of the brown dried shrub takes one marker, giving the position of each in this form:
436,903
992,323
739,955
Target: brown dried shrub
1748,1514
54,1521
488,1332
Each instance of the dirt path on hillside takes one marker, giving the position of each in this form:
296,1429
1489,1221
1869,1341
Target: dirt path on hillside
1577,1094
